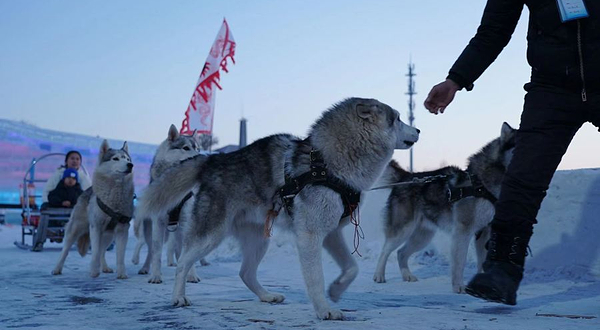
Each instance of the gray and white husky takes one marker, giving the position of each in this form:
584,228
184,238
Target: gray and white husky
103,212
415,212
236,192
171,151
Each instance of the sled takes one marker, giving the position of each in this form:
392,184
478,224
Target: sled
41,224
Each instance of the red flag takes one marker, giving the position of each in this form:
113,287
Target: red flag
200,111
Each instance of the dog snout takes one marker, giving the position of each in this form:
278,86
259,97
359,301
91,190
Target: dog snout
129,166
418,130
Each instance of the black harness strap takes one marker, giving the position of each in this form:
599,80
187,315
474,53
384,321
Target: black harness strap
115,217
319,176
476,189
176,212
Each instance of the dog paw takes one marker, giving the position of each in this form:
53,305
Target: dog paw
143,271
107,270
94,274
379,278
122,276
57,272
155,279
408,277
181,301
204,262
272,298
192,279
332,314
458,288
135,261
335,292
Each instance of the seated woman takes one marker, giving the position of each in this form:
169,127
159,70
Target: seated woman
73,161
67,191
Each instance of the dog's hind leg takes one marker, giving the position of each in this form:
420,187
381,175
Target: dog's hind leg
158,236
419,238
147,232
121,233
461,238
254,246
74,230
193,250
140,241
97,253
173,251
481,239
337,248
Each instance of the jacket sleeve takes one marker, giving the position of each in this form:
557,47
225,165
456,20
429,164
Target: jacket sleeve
55,197
498,23
51,183
84,179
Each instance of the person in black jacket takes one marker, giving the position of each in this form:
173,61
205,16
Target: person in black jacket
564,93
67,190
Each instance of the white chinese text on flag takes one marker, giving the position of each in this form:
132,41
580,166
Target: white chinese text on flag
200,111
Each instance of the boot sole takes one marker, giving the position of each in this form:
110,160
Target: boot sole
488,294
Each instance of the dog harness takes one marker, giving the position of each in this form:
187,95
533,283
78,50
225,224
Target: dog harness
176,212
319,176
115,217
475,189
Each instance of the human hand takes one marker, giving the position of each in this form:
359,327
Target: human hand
440,96
66,203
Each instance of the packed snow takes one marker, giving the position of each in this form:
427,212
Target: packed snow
561,289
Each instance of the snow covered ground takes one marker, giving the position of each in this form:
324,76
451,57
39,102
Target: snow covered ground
562,279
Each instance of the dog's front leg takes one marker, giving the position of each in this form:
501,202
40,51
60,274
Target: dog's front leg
309,250
158,236
459,247
337,248
121,233
96,244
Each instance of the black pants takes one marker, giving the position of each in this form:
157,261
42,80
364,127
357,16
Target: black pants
551,117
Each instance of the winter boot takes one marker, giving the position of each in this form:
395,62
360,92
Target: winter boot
502,269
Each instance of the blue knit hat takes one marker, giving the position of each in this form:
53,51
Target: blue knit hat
70,173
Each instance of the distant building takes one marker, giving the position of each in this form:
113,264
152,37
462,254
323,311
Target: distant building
20,143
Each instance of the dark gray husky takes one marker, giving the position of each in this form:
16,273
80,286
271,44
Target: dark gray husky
414,212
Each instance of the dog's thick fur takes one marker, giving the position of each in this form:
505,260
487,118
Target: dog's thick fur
414,213
235,191
112,183
171,151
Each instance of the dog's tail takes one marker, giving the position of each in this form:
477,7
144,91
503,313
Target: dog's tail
83,244
170,188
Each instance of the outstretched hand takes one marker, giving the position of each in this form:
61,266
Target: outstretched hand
440,96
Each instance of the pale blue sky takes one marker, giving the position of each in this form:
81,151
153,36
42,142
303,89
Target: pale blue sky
127,69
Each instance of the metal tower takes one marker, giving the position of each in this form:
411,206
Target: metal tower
411,103
242,132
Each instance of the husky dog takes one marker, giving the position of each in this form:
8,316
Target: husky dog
415,212
171,151
103,212
236,192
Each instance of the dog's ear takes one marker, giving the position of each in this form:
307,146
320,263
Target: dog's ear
366,111
173,133
506,131
125,147
104,147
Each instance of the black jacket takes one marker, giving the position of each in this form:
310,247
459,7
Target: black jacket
63,193
553,49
